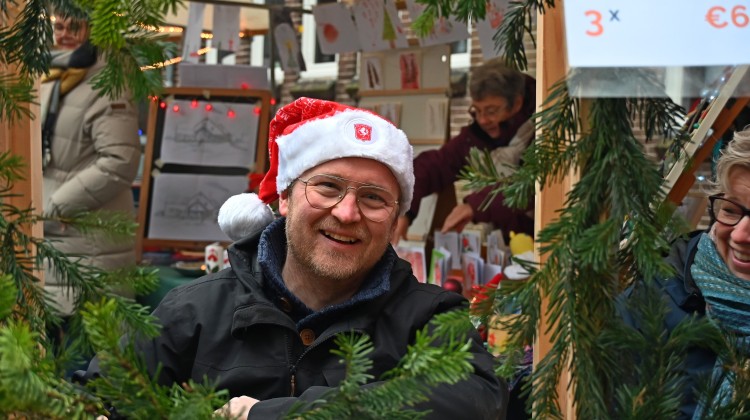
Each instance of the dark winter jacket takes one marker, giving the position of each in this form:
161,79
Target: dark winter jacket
436,170
244,330
684,300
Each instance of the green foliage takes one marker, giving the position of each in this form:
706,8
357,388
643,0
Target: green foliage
610,231
33,365
122,31
127,382
440,355
15,93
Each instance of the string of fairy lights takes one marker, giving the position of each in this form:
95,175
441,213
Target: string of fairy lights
204,103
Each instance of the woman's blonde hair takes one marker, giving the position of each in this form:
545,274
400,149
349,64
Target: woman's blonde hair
736,154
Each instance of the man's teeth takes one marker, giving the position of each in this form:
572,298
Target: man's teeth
340,238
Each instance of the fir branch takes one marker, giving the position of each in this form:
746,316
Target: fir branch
30,377
11,167
440,354
115,225
126,382
509,36
15,95
27,42
463,11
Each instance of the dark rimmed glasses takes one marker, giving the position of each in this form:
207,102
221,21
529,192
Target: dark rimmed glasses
726,211
325,191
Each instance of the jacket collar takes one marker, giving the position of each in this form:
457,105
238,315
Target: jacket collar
257,261
684,292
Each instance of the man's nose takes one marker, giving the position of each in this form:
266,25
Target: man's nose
347,210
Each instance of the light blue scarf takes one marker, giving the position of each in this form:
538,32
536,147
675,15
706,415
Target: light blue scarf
727,305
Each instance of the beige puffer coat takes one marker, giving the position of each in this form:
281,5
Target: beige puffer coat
95,154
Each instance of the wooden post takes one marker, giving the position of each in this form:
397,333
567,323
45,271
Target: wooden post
22,138
551,68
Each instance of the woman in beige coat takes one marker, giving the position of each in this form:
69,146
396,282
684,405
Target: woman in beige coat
91,154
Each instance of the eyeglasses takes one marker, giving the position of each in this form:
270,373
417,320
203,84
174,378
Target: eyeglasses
491,112
325,191
726,211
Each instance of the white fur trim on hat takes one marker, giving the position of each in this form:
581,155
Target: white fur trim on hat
243,214
349,133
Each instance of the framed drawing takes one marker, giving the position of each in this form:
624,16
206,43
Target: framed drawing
202,145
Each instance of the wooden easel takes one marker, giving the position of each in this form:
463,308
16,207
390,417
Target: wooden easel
153,164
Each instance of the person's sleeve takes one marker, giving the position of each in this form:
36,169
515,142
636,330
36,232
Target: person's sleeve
114,130
499,215
435,170
482,396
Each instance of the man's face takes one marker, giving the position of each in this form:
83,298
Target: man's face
69,33
490,111
338,243
733,242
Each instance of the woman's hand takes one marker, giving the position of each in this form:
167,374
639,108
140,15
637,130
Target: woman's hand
458,218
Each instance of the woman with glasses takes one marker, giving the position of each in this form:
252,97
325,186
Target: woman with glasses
712,274
503,100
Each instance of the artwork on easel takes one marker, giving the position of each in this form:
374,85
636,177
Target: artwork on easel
487,27
436,117
391,111
372,76
209,133
379,25
185,206
335,28
197,155
409,64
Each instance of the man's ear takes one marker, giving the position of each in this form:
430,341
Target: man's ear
517,104
284,203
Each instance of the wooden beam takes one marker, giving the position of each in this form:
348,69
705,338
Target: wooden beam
723,121
551,68
22,138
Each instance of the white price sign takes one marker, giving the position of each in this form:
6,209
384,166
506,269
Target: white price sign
625,33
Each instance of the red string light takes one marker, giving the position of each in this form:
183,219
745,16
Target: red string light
209,107
256,110
230,113
244,86
273,101
163,105
176,108
194,103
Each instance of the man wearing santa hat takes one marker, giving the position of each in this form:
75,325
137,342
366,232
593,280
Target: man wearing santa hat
264,328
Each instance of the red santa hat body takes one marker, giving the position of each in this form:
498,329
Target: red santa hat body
306,133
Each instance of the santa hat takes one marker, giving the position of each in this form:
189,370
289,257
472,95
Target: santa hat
306,133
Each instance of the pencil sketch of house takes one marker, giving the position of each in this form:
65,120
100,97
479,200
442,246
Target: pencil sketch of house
196,208
206,131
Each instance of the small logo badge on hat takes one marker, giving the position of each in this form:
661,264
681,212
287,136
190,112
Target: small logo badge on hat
363,132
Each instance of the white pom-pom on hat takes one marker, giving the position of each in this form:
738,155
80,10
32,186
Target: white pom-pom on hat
243,214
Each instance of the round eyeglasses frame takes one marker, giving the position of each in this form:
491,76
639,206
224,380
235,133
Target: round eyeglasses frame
371,213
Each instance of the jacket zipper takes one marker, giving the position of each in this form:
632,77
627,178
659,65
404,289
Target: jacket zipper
293,381
293,368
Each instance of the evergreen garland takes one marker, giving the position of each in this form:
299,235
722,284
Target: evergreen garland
610,231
